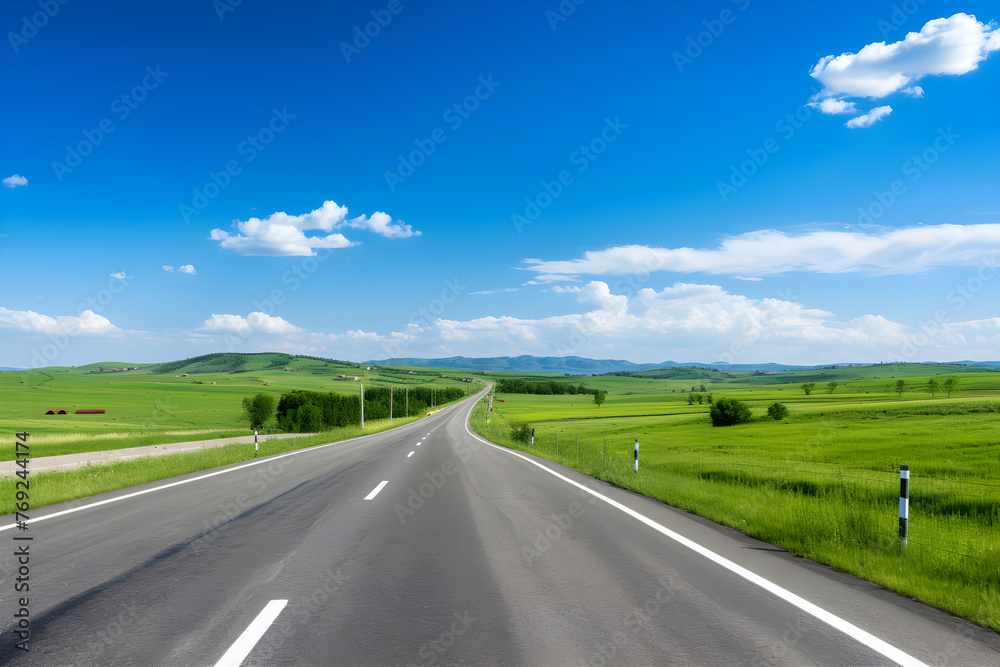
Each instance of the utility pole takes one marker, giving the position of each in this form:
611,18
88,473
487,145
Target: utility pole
362,406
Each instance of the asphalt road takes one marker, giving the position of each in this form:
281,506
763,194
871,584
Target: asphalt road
467,554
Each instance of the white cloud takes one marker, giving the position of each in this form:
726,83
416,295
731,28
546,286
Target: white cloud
255,322
870,118
750,279
902,251
683,322
187,268
284,235
831,106
944,46
86,323
119,276
168,269
382,224
15,181
496,291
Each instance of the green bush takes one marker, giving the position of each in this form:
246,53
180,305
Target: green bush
520,433
777,411
729,411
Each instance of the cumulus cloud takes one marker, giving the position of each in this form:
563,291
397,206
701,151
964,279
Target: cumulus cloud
168,268
187,268
120,275
86,323
681,322
945,46
831,106
255,322
15,181
870,118
902,251
284,235
684,321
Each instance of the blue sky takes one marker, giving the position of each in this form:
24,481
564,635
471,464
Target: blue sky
720,181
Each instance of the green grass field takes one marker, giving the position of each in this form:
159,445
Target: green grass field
823,483
173,402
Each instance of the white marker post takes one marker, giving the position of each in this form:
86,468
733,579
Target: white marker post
362,406
532,438
255,443
904,502
637,454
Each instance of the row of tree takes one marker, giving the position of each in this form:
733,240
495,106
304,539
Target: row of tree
301,411
547,387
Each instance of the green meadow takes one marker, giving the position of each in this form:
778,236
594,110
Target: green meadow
192,399
822,483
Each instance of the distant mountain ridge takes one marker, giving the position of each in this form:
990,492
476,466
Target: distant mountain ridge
580,365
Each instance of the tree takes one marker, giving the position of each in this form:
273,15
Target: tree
729,411
949,385
700,399
690,399
831,387
702,387
808,387
933,386
258,409
777,411
900,385
599,396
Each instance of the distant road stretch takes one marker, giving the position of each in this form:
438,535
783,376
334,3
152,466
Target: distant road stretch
426,545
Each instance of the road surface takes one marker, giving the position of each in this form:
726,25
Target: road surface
425,545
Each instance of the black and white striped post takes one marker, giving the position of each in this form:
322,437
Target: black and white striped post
255,443
904,502
532,438
637,454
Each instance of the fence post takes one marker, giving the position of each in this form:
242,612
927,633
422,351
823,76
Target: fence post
637,454
904,502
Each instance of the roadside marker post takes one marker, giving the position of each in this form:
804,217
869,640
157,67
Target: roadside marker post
255,443
637,454
532,438
904,502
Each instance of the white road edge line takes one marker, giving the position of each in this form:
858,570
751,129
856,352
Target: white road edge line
376,490
851,630
275,457
409,455
238,652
